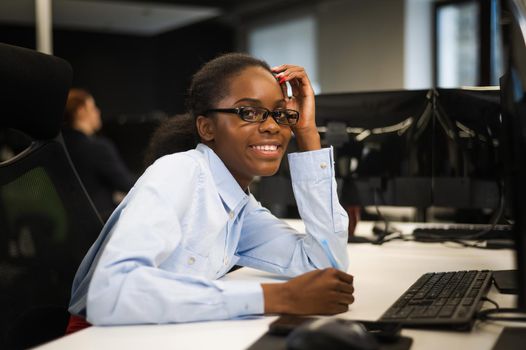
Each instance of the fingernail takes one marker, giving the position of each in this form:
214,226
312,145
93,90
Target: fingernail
282,80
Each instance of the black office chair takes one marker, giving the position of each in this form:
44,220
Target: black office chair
47,221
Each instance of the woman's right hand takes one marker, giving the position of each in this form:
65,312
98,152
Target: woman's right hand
318,292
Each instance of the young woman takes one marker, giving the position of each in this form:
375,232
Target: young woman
190,217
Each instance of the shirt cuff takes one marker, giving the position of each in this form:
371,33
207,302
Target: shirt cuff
311,165
242,298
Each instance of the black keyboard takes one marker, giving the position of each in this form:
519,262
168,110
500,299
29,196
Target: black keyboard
441,300
463,231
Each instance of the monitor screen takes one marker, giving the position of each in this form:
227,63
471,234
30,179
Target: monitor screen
466,135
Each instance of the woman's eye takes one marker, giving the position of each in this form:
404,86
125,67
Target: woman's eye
248,113
281,115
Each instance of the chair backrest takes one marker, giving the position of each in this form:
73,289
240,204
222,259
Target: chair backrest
47,220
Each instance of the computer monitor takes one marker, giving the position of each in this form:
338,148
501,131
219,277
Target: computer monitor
374,135
465,150
513,90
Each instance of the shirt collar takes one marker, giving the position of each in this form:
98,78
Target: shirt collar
229,190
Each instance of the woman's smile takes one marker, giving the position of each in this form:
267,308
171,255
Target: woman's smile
267,150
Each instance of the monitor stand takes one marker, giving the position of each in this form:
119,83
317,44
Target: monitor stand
506,281
511,338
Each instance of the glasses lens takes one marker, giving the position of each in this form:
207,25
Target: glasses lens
281,117
286,116
292,116
251,114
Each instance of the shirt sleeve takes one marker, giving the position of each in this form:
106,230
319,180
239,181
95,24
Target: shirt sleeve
145,274
270,244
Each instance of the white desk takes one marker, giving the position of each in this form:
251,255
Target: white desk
382,274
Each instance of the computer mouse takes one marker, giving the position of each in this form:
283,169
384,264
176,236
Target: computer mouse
333,334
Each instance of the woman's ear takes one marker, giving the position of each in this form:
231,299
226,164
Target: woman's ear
205,128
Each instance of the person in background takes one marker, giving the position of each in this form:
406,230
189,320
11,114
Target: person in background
191,217
95,158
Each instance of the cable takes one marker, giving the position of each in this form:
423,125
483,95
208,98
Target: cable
499,314
388,238
384,235
497,214
491,301
377,194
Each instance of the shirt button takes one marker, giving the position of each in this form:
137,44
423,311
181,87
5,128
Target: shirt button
323,165
231,215
191,260
225,261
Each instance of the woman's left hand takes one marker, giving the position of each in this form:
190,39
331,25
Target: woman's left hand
302,100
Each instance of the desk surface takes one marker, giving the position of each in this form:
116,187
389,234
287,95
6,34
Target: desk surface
382,274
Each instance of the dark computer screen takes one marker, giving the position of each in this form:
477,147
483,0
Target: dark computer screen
466,135
513,89
382,145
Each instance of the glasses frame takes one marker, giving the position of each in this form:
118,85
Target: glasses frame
266,112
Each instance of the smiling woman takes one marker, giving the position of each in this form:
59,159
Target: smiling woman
190,218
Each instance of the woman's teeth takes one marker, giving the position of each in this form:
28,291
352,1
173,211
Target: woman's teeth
266,147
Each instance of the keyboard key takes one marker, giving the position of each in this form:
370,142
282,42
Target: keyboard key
440,302
468,301
473,293
432,311
391,313
463,311
418,312
453,301
447,311
405,312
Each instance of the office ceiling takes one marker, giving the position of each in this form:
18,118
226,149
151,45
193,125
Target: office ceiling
138,17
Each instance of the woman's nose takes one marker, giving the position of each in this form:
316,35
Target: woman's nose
269,125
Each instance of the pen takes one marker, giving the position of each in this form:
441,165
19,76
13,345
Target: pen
325,246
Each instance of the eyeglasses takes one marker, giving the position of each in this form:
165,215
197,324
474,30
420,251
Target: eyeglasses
260,114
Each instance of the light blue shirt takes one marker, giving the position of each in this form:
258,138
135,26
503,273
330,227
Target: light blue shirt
186,223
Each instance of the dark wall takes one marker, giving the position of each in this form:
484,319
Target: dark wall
133,75
181,53
117,69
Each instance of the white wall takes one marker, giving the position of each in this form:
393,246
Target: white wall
291,41
418,44
366,45
361,45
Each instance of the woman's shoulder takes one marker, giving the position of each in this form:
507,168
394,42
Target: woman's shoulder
180,161
180,164
190,157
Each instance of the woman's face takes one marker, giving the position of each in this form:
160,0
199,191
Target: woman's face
250,149
93,113
89,115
